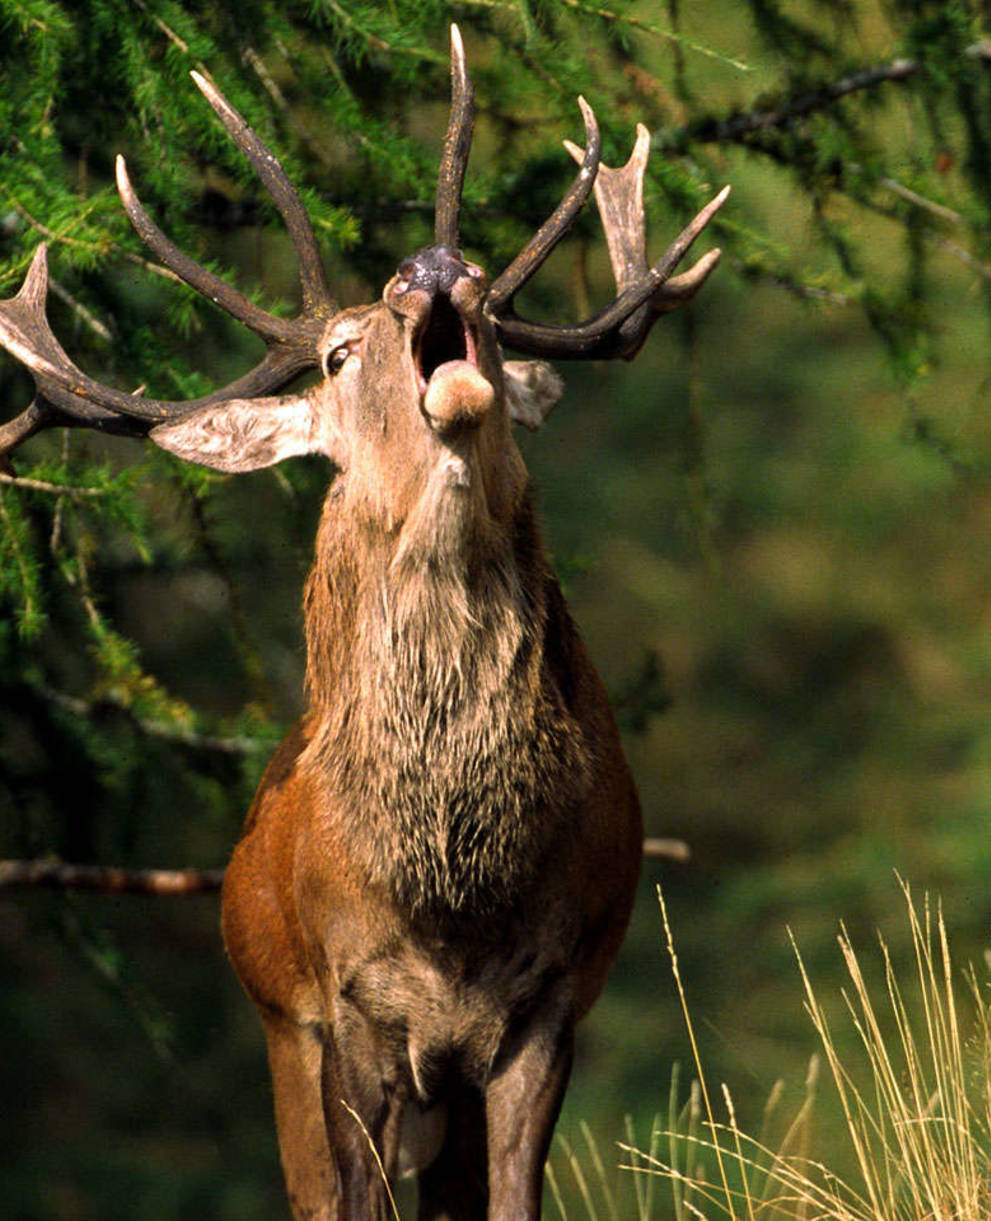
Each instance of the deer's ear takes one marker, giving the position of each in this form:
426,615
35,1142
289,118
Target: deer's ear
248,434
533,390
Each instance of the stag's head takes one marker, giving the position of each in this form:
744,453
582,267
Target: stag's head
415,399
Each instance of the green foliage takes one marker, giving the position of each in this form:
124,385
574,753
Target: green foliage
780,514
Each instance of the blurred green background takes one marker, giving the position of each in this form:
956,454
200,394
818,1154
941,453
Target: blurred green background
772,529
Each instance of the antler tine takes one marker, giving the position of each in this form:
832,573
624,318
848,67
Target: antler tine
643,292
313,279
533,254
457,145
619,198
267,325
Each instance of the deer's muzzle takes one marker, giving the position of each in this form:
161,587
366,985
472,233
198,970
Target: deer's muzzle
443,295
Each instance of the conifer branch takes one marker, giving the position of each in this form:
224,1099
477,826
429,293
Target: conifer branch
89,709
736,128
108,879
375,41
656,31
102,246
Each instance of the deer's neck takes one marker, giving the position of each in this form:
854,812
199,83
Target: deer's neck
441,733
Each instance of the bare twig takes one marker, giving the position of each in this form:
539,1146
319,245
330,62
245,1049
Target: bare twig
920,201
52,489
271,87
958,252
169,33
114,880
85,315
109,879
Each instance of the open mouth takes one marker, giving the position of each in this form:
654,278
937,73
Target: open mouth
444,337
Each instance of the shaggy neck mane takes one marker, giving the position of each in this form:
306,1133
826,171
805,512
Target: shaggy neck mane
439,729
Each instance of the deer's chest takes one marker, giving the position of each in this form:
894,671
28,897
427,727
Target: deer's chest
437,1010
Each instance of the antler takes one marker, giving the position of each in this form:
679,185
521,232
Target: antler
457,145
499,302
643,293
66,395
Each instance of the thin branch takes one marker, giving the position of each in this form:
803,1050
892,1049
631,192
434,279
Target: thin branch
271,87
154,729
52,489
113,880
920,201
109,879
169,33
85,315
635,23
656,31
666,850
931,235
375,41
737,127
958,252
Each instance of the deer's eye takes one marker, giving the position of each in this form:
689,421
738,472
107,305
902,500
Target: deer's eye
334,362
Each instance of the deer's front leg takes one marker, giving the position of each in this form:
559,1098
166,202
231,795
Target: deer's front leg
295,1055
522,1102
328,1112
364,1096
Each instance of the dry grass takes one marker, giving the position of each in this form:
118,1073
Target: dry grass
916,1101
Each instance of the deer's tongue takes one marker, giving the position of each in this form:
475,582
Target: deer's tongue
457,395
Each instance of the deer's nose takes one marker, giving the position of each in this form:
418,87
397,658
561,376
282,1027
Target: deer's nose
435,269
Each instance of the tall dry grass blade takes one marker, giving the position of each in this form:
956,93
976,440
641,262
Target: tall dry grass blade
741,1161
677,1191
916,1104
551,1179
849,1098
656,1133
375,1153
696,1056
640,1180
605,1187
579,1176
770,1109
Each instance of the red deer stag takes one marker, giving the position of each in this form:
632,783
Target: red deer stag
439,865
